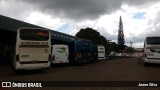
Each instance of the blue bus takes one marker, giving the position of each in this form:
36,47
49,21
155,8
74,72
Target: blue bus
79,51
94,52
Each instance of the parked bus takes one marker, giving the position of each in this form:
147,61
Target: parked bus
79,51
101,52
151,50
60,54
94,52
32,49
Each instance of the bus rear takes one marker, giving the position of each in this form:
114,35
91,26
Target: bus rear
79,51
83,50
101,52
33,49
60,54
152,50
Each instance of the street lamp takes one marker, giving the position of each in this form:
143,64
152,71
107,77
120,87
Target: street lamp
131,41
131,44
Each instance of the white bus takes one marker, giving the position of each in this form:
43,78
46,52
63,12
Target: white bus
60,54
151,53
101,52
32,49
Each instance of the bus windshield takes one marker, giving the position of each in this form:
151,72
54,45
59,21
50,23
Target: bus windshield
83,46
153,40
34,34
94,48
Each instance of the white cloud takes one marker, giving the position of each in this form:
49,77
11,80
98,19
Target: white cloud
15,9
44,20
106,23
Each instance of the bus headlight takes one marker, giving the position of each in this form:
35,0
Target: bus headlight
78,55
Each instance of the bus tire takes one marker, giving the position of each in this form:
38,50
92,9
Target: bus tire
15,70
146,64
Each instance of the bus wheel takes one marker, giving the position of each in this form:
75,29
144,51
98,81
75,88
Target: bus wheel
14,69
40,70
146,64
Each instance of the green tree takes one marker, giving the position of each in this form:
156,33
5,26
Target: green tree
111,46
130,50
95,36
92,35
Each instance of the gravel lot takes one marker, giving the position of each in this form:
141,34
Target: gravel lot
128,69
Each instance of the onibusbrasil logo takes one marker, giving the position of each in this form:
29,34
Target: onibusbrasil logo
21,84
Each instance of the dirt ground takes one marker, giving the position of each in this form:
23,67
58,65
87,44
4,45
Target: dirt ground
128,69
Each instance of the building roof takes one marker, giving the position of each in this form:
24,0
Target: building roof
11,24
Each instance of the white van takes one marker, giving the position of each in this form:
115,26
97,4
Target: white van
151,53
60,54
101,52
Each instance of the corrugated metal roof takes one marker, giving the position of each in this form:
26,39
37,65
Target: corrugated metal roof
11,24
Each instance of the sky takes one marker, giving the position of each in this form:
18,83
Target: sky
140,17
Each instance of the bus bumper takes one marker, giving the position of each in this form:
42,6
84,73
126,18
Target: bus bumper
31,66
62,61
101,58
154,61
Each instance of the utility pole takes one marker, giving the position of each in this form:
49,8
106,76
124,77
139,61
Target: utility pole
131,45
131,41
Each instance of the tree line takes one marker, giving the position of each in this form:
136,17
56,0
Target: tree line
96,37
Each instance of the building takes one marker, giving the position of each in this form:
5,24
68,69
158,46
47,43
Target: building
8,29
